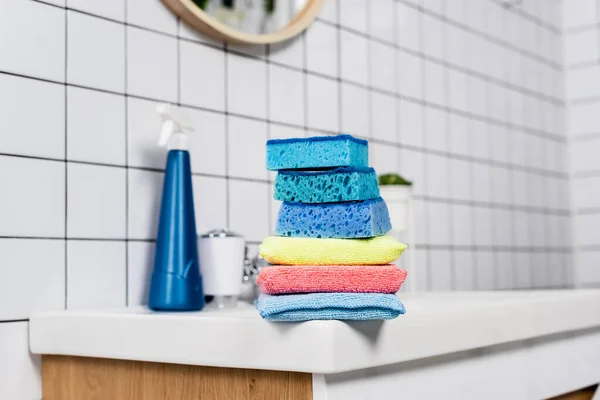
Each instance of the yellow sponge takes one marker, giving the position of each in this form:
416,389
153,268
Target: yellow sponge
312,251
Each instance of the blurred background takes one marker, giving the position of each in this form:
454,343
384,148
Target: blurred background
489,107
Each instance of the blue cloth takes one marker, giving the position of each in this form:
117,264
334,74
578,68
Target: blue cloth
347,220
326,306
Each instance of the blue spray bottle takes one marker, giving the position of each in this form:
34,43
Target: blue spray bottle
176,282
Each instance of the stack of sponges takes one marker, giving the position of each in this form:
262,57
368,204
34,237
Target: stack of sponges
331,256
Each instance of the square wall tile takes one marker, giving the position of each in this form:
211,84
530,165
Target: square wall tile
456,45
383,120
355,110
484,270
522,229
433,34
286,95
522,270
583,83
420,228
410,123
290,52
249,209
412,167
436,134
152,15
247,86
434,83
96,274
464,270
460,184
112,9
189,32
140,264
439,223
207,142
586,229
210,203
382,68
581,46
247,152
584,156
504,270
20,371
500,183
440,270
502,227
96,201
96,56
42,136
329,12
202,70
143,129
578,13
438,177
354,63
353,14
97,136
383,158
586,192
151,65
588,270
36,204
410,71
322,49
462,226
40,48
322,100
458,135
499,142
480,141
457,90
583,118
32,277
143,199
408,26
483,226
381,20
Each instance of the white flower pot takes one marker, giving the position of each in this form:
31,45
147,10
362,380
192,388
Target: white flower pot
396,197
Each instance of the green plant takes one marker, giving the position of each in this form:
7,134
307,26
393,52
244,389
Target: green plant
393,179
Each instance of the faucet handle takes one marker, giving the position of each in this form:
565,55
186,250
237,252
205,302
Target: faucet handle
252,267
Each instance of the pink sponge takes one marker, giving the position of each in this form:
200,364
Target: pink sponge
285,279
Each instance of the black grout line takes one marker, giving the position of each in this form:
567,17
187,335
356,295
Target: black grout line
497,249
243,54
126,86
66,89
524,129
8,321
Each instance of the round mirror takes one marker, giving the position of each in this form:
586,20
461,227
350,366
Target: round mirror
247,21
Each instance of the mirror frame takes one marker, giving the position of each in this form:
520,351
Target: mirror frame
194,16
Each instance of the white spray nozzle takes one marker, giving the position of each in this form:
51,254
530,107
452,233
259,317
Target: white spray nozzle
174,121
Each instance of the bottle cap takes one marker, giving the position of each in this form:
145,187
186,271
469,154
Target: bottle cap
175,124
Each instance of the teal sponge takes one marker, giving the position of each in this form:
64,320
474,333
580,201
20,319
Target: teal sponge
335,185
317,152
347,220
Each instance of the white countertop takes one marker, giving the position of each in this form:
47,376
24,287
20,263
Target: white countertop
435,324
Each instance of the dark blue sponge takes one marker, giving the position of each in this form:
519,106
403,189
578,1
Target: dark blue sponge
331,186
347,220
317,152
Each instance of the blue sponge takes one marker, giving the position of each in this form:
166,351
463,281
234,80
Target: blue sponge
348,220
335,185
317,152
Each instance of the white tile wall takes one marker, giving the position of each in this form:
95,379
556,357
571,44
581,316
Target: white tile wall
466,101
583,100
